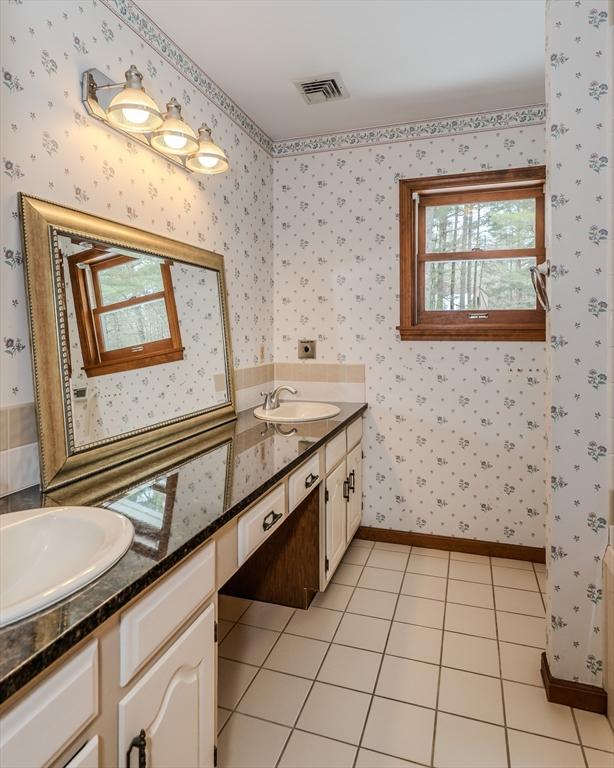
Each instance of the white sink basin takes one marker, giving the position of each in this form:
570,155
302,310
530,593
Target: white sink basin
46,554
293,410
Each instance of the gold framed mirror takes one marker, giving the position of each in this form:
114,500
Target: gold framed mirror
130,340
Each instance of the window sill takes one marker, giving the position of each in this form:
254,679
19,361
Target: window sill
460,333
133,363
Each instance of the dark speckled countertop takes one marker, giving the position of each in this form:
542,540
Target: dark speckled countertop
173,510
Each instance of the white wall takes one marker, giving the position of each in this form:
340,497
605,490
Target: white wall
455,430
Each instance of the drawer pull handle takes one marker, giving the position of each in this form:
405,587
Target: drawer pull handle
346,490
311,479
352,481
270,520
140,742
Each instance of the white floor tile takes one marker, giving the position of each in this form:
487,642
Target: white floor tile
468,557
470,695
231,608
362,632
267,616
347,574
429,566
350,667
233,680
407,680
527,709
297,656
382,579
595,730
471,653
317,623
470,593
275,696
222,717
384,558
356,555
470,620
356,542
525,630
520,663
462,743
223,628
369,602
335,712
430,552
399,729
248,644
335,598
249,743
391,547
464,571
519,601
597,759
539,567
541,580
507,562
418,610
414,642
306,750
418,585
529,751
369,759
514,578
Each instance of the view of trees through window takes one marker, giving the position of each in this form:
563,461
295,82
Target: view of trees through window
472,284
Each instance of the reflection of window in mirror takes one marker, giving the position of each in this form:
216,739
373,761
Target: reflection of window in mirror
125,308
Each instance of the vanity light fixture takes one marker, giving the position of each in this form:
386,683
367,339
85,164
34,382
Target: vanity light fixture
135,114
174,135
132,109
208,158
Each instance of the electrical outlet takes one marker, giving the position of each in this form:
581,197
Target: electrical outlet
306,349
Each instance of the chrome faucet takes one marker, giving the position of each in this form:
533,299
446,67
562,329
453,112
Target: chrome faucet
271,399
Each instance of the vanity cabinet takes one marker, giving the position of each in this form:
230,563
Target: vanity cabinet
173,704
336,517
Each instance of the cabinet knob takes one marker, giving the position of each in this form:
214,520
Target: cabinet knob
346,490
352,481
140,742
270,520
311,479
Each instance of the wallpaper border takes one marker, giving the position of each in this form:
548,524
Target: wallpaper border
129,12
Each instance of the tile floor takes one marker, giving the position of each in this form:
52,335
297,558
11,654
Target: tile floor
410,658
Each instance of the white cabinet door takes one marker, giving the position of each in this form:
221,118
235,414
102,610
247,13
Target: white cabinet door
174,703
354,506
336,539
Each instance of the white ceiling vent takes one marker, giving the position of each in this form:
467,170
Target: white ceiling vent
317,90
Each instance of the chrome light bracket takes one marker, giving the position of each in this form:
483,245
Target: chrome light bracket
96,94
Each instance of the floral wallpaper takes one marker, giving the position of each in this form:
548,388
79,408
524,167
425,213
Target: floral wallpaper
454,434
578,90
52,149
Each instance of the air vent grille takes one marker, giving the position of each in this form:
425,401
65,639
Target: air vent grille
323,88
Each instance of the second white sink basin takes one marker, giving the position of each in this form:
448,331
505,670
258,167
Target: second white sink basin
293,410
46,554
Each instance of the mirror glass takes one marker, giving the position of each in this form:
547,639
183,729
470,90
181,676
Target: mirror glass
143,340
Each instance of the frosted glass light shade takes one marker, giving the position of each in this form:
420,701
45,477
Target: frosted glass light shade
132,109
174,136
208,158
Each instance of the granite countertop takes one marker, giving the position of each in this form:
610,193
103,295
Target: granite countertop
173,511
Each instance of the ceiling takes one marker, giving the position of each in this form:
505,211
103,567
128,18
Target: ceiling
401,60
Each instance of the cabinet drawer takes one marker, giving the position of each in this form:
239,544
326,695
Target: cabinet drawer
335,451
47,719
302,481
354,433
259,523
144,627
86,757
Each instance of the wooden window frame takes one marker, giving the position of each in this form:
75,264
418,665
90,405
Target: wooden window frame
96,360
507,325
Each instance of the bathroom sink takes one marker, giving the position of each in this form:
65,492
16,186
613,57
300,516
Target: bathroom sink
293,410
46,554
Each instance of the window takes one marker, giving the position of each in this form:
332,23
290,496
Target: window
126,313
467,245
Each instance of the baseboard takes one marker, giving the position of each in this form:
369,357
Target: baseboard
578,695
453,543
